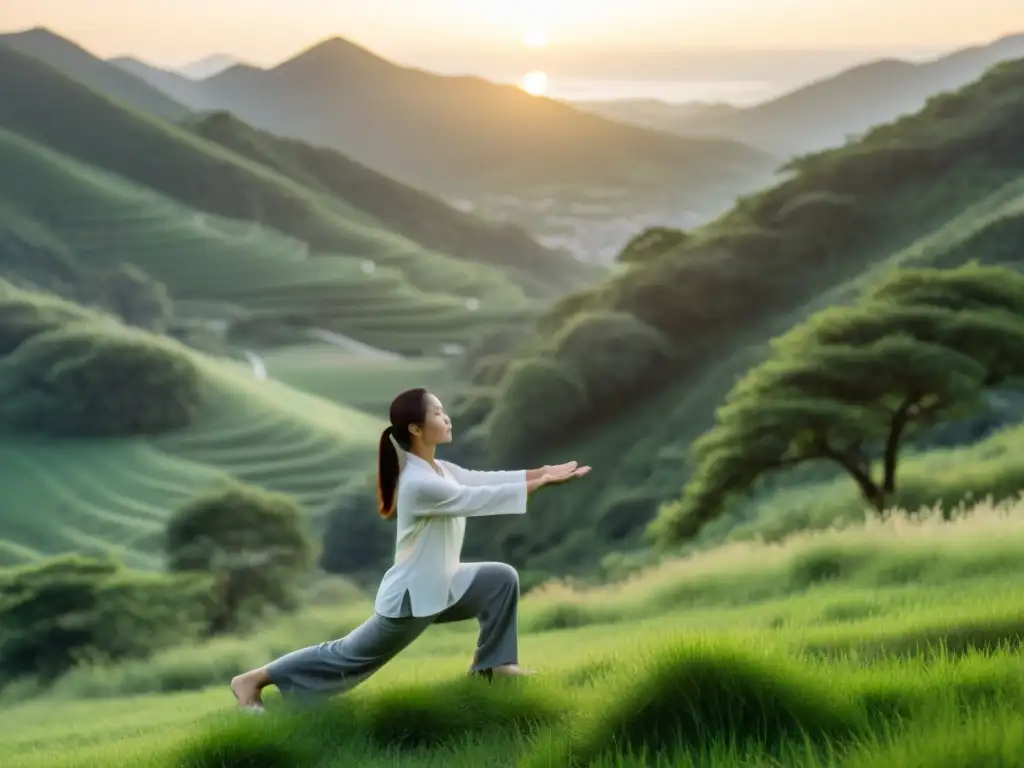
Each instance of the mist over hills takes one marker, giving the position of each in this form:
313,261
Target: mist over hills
827,112
573,179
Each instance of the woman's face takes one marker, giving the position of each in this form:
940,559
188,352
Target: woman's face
437,427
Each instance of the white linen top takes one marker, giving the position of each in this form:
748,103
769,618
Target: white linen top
430,514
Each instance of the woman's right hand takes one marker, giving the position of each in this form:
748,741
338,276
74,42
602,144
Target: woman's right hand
557,476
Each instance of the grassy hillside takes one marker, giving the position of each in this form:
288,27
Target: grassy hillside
40,103
422,218
938,188
91,495
573,177
845,649
95,73
826,113
60,214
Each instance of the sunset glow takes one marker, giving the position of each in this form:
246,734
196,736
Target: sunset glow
535,83
536,38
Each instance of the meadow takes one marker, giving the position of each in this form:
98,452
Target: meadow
890,643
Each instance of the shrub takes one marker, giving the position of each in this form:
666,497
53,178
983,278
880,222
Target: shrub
90,380
611,353
251,541
23,315
69,609
538,398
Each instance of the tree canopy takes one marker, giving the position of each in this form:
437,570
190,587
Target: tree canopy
252,542
852,383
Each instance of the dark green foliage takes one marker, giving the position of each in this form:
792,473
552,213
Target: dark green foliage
605,349
252,542
24,314
136,298
652,243
593,361
66,610
91,380
853,383
356,538
538,397
694,696
837,211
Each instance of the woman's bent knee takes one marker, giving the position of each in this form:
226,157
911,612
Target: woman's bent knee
503,572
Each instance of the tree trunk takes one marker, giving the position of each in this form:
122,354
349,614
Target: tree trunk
874,495
892,444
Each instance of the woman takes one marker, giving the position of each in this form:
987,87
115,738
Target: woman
430,500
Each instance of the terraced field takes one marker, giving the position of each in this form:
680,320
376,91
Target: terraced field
388,292
115,495
359,381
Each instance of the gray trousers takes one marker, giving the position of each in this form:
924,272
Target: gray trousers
339,665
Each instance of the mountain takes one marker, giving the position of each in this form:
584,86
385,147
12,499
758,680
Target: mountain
558,171
178,87
208,66
625,375
825,113
209,178
95,73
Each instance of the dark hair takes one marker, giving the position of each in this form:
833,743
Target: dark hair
407,409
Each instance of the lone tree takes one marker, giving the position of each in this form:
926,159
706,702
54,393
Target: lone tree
251,541
852,383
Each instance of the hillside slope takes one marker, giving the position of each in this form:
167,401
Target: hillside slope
95,73
938,188
534,161
91,495
63,219
824,114
41,103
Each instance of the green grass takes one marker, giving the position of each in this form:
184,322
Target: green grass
764,657
115,495
359,381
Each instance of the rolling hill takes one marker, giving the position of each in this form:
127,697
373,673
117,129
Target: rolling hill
42,104
113,495
825,113
68,219
95,73
939,188
535,161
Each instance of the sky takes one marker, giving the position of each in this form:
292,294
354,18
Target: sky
639,39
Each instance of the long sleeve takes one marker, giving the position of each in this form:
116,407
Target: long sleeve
434,497
476,478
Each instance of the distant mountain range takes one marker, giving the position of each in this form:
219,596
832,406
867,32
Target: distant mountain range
208,66
825,113
575,180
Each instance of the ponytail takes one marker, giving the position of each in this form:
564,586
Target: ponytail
387,475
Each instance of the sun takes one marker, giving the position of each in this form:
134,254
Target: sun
535,83
536,38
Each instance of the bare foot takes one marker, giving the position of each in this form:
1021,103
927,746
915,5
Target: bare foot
247,691
513,670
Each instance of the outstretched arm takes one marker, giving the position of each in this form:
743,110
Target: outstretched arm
436,496
477,478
